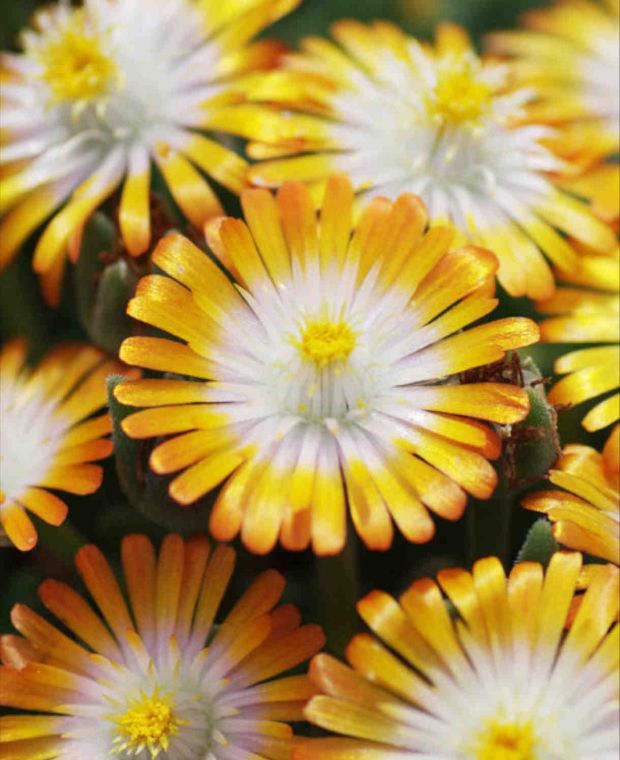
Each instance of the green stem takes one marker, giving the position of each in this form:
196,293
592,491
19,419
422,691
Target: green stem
61,542
488,526
337,593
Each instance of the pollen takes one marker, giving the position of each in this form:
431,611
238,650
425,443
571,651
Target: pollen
75,66
148,723
324,341
458,96
506,741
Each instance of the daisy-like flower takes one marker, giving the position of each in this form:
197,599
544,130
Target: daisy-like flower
324,366
398,117
586,513
570,53
491,676
151,679
587,313
48,436
103,92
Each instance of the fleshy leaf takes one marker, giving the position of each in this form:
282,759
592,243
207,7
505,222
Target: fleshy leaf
146,491
539,544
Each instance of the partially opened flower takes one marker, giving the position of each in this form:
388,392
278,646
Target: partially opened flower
103,92
48,435
398,116
570,54
323,365
587,313
585,508
155,678
485,672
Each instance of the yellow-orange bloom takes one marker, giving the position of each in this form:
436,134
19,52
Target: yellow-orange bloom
154,678
587,313
400,116
324,370
48,437
586,512
103,93
570,54
491,675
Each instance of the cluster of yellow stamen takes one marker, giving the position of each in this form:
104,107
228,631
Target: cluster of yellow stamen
506,741
148,723
458,96
75,66
324,341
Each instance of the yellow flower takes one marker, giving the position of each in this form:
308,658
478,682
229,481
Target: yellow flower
399,116
104,92
492,676
154,678
570,54
323,365
588,313
48,437
586,513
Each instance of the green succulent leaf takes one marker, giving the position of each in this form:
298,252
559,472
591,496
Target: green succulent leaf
146,491
532,446
539,544
103,285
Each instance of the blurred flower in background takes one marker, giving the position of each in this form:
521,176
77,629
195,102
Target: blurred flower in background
326,369
570,54
102,92
155,678
498,680
399,116
48,437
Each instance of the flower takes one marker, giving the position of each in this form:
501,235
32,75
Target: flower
155,678
586,513
489,675
439,122
48,437
570,53
327,365
588,313
103,92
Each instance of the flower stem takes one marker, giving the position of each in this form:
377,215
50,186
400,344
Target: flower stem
488,526
338,590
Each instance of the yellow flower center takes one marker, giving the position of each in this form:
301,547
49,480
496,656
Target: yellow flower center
458,96
506,741
74,65
149,722
324,341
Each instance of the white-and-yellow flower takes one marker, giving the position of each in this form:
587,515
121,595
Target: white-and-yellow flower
324,368
493,675
570,54
102,93
49,437
399,116
146,674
